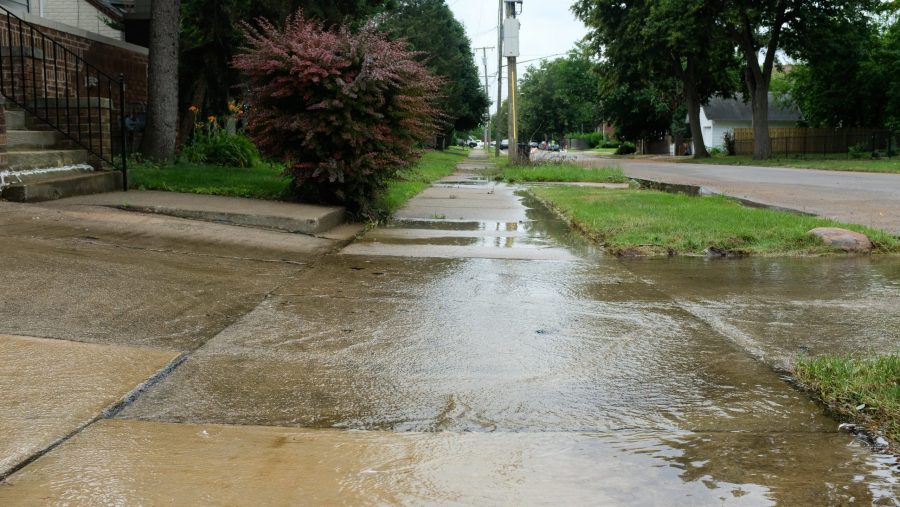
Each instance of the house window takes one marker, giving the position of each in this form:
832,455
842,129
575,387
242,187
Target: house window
16,6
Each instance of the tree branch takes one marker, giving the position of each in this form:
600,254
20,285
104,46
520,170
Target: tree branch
774,39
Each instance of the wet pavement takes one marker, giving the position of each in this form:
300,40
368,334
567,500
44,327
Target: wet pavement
52,388
476,351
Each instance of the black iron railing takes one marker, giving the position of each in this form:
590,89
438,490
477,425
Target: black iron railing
61,89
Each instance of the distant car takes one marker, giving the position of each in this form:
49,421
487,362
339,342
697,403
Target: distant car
479,145
473,143
504,144
533,144
553,147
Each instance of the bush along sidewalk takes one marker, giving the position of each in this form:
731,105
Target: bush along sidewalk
647,222
863,391
346,121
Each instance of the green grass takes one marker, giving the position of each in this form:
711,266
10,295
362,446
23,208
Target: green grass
605,151
433,166
648,222
864,390
835,162
562,172
263,181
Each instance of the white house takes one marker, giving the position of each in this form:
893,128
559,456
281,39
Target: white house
724,115
93,16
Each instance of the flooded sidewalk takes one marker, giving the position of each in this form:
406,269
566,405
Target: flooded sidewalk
477,351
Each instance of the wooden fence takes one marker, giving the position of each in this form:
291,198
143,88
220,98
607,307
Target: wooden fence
816,140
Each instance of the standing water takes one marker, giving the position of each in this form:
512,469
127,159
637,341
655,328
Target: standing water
477,352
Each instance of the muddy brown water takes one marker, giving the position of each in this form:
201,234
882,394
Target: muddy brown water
505,362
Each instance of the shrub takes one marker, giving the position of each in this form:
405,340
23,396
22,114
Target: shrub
214,145
343,110
593,138
610,144
730,146
626,148
858,151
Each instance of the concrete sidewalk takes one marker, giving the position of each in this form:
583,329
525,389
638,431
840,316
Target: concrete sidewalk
871,199
284,216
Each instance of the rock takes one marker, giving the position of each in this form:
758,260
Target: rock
848,241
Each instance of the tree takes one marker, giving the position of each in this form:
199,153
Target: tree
642,113
760,28
162,109
428,27
648,42
344,110
559,96
860,51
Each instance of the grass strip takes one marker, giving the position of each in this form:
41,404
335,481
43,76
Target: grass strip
263,181
562,173
433,166
646,222
866,391
838,162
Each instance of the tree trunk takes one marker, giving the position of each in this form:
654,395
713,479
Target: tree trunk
162,109
759,104
693,106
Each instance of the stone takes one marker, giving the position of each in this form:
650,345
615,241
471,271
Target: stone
848,241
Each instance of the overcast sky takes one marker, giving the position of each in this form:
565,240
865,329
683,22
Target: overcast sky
548,28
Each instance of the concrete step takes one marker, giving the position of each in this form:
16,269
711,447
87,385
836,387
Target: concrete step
15,120
50,186
29,140
282,216
19,119
23,160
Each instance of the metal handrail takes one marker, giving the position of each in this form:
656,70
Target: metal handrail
62,64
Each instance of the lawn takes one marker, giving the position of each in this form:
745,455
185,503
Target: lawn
265,181
836,162
864,390
561,172
646,222
605,151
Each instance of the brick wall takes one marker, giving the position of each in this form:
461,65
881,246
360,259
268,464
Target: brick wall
59,47
61,67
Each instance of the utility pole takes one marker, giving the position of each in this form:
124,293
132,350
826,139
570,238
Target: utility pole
511,50
487,125
499,74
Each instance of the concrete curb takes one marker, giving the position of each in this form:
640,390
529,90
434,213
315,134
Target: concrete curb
312,225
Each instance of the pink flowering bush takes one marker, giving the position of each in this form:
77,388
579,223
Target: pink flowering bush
344,110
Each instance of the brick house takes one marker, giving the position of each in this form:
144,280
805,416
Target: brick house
66,75
94,16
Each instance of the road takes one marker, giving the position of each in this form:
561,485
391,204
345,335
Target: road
871,199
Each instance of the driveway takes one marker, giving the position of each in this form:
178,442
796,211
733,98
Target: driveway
871,199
